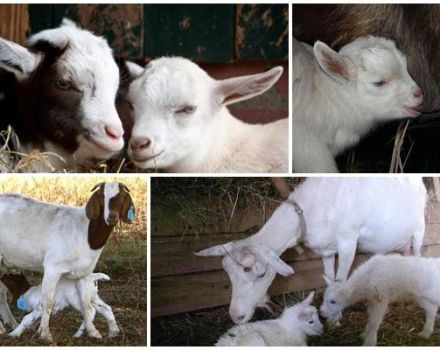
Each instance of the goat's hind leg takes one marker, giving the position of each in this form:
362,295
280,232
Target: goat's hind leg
87,308
27,322
430,314
5,312
106,311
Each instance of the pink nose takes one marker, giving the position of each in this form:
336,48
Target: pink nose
138,144
113,132
418,94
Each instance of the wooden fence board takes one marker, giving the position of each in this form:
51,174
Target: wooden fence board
14,22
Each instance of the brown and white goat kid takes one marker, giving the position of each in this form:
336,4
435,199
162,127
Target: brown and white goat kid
59,240
59,95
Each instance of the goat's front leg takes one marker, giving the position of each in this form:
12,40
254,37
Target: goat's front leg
5,312
376,312
106,311
329,266
27,322
346,253
49,284
88,309
431,312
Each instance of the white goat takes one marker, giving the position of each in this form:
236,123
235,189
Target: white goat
61,95
68,293
291,329
181,123
59,240
339,97
383,280
331,216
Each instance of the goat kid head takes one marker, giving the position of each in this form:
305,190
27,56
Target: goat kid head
334,300
377,76
251,269
112,202
68,79
174,103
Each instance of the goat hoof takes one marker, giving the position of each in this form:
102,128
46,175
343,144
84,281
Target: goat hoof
369,342
95,334
113,332
14,334
78,335
425,334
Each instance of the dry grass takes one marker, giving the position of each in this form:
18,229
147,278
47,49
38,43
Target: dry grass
123,259
399,328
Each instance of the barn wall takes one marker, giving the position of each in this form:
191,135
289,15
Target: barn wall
184,282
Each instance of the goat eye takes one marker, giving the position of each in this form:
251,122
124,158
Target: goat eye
186,110
332,302
380,83
311,322
246,269
63,85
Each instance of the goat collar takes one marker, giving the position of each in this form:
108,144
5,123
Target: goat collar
302,220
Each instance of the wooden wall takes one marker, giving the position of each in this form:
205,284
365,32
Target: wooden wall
14,22
181,281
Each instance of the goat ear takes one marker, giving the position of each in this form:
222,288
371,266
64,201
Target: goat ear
238,89
93,206
217,250
96,186
67,22
127,209
328,280
273,260
334,64
16,59
134,69
309,299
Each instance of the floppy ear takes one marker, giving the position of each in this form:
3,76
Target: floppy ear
238,89
273,260
309,299
217,250
96,186
334,64
16,59
328,280
93,206
127,209
134,69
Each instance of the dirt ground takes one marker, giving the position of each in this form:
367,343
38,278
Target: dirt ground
204,327
124,260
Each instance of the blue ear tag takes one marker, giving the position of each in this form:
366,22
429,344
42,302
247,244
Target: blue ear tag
21,304
131,214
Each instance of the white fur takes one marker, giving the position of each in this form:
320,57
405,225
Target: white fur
89,63
375,215
49,238
291,329
69,293
383,280
207,138
333,110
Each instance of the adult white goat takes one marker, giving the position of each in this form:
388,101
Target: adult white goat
339,96
59,240
331,216
291,329
68,293
181,123
60,95
383,280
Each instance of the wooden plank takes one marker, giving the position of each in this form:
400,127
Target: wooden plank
120,24
14,22
182,293
433,212
262,31
432,234
200,32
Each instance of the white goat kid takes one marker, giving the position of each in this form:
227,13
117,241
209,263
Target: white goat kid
68,293
339,96
383,280
342,215
291,329
181,123
59,240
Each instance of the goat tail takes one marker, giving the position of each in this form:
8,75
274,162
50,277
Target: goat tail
100,276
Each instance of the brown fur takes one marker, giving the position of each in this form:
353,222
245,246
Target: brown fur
414,28
99,231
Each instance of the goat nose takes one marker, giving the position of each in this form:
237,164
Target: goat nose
140,143
113,132
418,93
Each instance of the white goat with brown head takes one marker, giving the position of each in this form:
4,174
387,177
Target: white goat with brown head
60,241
